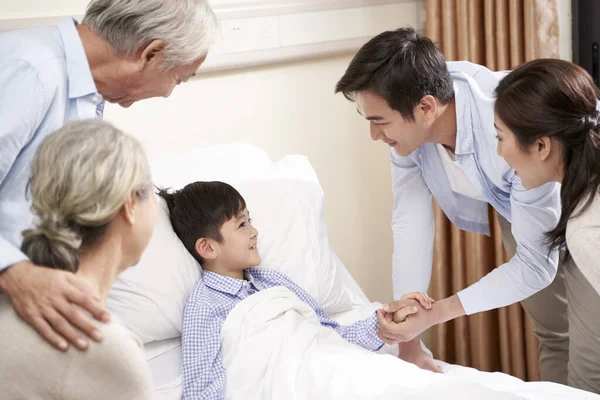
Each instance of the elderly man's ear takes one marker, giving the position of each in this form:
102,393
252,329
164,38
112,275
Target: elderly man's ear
153,53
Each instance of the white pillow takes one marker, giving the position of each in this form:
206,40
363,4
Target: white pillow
286,204
230,162
293,238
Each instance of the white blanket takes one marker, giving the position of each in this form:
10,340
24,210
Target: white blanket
274,347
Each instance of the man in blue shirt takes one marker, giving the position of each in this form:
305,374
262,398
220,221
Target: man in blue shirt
122,52
438,119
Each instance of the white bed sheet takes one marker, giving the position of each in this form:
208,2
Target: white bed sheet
164,358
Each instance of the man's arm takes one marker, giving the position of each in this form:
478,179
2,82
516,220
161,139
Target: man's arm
412,227
413,230
204,374
43,297
23,105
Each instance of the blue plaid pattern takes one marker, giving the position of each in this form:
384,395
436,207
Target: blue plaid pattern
206,310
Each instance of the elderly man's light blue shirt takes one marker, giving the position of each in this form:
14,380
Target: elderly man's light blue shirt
46,81
421,174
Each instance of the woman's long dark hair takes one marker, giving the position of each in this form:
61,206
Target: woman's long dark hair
557,99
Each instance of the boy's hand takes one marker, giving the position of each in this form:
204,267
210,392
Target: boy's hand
406,320
387,319
399,309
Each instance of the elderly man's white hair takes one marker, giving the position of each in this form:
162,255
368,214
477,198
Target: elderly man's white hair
187,26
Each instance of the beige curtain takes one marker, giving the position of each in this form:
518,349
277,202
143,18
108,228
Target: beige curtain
499,34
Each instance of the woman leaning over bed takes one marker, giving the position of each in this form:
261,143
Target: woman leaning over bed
95,212
548,128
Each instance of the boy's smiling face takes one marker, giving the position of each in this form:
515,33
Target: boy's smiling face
239,249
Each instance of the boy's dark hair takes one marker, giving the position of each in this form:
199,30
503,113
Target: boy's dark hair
200,209
401,67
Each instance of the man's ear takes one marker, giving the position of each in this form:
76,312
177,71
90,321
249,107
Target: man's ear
425,110
427,107
153,53
207,248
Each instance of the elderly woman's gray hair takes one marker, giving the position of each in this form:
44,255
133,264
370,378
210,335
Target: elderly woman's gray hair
187,26
81,176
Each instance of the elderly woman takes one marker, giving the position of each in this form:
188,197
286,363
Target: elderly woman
122,52
95,211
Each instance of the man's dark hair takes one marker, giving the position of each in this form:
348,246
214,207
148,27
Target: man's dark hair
200,209
401,67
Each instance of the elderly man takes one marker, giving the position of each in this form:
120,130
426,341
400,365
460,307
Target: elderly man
122,52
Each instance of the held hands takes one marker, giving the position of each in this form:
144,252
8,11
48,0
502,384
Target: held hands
402,313
46,298
404,319
401,322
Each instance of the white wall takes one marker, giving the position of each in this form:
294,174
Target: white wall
40,8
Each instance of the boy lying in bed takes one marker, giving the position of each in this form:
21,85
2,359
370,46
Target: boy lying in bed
212,221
